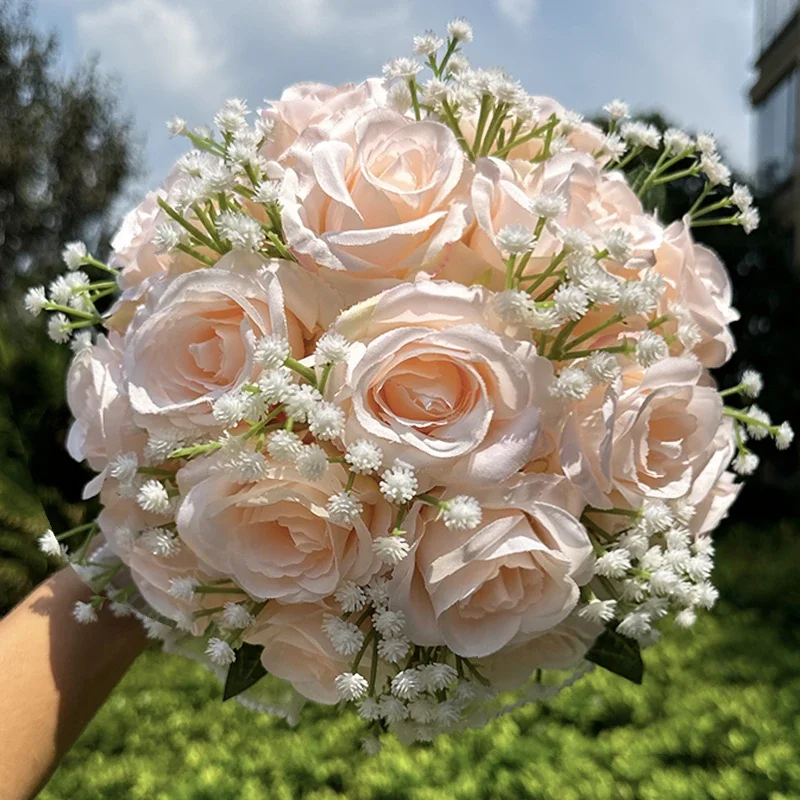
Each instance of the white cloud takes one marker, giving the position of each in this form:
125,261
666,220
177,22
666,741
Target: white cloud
155,45
338,20
517,12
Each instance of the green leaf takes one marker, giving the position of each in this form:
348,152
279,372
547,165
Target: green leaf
245,671
618,654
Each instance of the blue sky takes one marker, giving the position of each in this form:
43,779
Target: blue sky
689,58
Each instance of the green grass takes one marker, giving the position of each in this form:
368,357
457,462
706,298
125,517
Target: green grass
718,717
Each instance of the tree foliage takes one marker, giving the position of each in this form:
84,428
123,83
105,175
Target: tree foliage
65,154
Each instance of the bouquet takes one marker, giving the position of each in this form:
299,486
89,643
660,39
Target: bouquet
403,396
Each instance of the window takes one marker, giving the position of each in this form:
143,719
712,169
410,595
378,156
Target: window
771,16
776,133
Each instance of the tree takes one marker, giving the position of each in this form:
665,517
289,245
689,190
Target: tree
66,152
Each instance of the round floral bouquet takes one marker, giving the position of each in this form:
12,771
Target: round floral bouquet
405,399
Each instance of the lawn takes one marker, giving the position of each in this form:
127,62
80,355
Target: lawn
718,716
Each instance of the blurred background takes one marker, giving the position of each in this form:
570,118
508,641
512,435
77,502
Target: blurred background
85,87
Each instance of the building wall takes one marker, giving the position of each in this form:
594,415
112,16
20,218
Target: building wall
778,58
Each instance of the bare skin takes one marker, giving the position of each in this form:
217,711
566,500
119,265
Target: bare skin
54,675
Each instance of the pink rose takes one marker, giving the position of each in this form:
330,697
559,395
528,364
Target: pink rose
650,436
98,399
297,650
194,338
698,281
595,202
714,506
381,208
313,111
500,196
133,250
134,253
431,384
603,201
123,522
274,537
517,574
715,489
562,647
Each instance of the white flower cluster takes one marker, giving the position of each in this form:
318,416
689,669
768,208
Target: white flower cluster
653,569
417,702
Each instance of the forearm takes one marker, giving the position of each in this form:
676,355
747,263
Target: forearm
54,675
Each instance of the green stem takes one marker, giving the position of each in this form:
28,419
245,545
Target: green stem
302,370
483,115
73,311
620,512
594,331
536,133
205,589
735,413
156,471
724,203
451,48
93,262
707,223
192,229
207,612
456,128
367,641
654,323
622,348
652,174
323,381
543,276
195,450
429,499
494,126
412,87
702,196
72,531
373,667
207,224
557,346
628,158
685,173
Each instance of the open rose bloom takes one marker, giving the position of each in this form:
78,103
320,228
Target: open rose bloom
405,399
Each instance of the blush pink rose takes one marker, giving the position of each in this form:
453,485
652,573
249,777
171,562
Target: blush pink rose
715,489
122,522
518,573
433,385
715,505
381,208
133,251
194,338
310,112
500,195
650,436
697,280
562,647
603,201
274,537
97,396
297,650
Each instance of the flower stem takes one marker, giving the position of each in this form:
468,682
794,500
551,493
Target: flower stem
302,370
